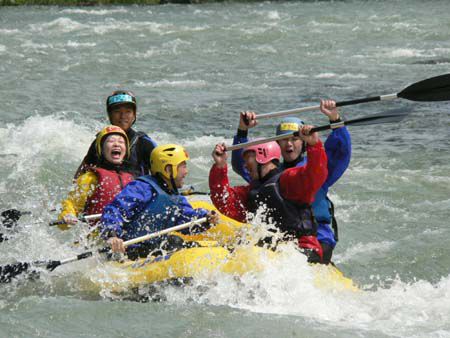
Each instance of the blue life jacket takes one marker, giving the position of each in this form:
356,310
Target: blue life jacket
322,212
159,214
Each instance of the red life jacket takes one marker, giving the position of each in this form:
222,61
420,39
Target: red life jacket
110,183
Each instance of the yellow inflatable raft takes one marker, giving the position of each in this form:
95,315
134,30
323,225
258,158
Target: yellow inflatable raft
209,257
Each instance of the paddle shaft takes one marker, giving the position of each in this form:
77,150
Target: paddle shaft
135,240
9,271
371,119
86,218
338,104
436,88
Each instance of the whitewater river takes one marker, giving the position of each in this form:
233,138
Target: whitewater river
193,69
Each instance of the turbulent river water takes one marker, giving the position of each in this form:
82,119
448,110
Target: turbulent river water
193,68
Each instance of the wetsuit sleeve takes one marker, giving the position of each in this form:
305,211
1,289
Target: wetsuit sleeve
338,147
75,202
125,206
230,201
146,146
301,184
237,161
89,160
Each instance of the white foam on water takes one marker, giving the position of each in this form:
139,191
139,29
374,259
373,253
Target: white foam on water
75,44
408,52
358,249
268,14
340,76
266,49
112,25
65,25
287,287
291,75
40,138
95,11
176,84
5,31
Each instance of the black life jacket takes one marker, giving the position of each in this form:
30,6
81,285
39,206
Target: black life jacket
135,161
289,216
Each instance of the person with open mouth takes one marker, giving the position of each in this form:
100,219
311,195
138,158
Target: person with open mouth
98,186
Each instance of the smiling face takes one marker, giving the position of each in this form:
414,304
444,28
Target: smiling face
123,116
114,149
291,148
182,172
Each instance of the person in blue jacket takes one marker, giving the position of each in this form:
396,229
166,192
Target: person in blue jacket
338,149
152,203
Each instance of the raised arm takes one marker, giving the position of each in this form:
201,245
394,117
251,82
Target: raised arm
231,201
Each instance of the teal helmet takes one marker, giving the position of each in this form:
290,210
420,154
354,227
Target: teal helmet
120,97
288,125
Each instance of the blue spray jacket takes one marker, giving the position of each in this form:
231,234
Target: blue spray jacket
143,207
338,148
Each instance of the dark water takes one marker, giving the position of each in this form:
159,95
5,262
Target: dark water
193,69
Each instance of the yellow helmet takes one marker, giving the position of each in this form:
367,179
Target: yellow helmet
105,132
167,154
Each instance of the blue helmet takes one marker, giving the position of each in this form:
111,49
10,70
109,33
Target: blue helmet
288,125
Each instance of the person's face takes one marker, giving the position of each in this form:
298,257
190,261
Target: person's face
114,149
123,116
251,164
182,172
291,148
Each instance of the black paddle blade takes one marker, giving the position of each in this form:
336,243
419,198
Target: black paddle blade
395,115
10,217
433,89
9,271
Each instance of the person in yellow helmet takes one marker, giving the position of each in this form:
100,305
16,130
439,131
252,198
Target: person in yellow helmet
152,203
98,186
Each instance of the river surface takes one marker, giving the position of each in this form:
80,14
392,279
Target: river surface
193,68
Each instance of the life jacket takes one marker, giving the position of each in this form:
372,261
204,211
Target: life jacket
289,216
135,159
323,209
160,214
110,183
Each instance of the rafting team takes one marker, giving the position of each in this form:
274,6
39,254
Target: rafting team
135,184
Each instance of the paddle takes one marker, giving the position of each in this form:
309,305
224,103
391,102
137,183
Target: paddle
395,115
191,191
9,271
85,219
10,217
433,89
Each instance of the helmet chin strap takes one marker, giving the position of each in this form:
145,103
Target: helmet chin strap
172,182
259,168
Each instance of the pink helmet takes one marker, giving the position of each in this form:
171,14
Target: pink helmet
265,152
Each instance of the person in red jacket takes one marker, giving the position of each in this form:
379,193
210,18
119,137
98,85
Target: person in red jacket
287,194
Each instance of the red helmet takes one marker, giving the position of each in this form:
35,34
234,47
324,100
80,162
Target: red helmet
265,152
